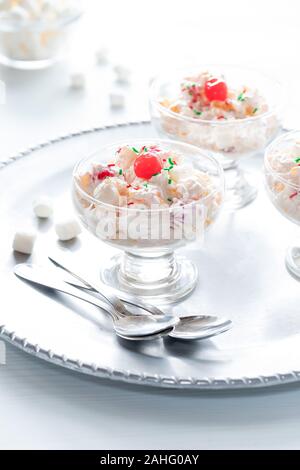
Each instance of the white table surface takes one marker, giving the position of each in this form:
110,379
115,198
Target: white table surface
42,406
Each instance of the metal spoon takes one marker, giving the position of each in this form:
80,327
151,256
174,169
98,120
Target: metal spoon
105,291
133,327
189,327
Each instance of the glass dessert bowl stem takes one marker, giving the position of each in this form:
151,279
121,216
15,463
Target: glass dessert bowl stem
156,277
241,188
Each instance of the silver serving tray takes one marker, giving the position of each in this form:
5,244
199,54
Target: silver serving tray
241,275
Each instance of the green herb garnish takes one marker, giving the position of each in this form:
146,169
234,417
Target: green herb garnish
198,113
169,181
171,165
120,171
241,96
254,110
297,160
135,150
146,185
155,174
169,199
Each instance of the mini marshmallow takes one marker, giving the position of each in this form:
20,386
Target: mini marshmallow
117,100
42,207
122,73
67,229
77,81
18,14
102,56
24,241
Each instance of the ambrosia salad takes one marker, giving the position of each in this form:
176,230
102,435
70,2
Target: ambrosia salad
223,115
209,97
139,183
282,171
34,30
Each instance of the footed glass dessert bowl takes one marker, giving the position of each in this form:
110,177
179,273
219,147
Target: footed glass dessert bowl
149,198
282,179
228,111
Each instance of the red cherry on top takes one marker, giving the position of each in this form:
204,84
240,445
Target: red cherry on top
104,174
215,89
147,165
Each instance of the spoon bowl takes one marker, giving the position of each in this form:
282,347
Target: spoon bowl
188,327
194,327
143,325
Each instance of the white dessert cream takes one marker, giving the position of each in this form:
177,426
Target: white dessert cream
212,114
149,195
34,30
282,171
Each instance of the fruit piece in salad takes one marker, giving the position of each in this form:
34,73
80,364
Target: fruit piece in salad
209,97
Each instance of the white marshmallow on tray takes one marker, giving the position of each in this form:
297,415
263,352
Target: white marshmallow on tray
67,229
42,207
24,241
77,80
117,100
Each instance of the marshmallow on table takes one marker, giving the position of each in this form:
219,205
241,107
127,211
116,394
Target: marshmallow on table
117,100
67,229
77,80
18,14
102,56
122,73
42,207
24,241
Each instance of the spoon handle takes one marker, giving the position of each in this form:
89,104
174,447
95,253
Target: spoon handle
103,290
43,277
112,299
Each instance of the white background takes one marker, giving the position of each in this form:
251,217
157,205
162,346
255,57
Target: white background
45,407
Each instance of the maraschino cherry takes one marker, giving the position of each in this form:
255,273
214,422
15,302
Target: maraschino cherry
147,165
215,89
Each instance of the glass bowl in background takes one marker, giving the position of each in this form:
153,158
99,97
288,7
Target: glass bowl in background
35,41
226,140
148,238
282,181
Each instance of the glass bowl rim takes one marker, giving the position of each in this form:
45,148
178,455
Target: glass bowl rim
7,26
158,79
220,171
268,167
